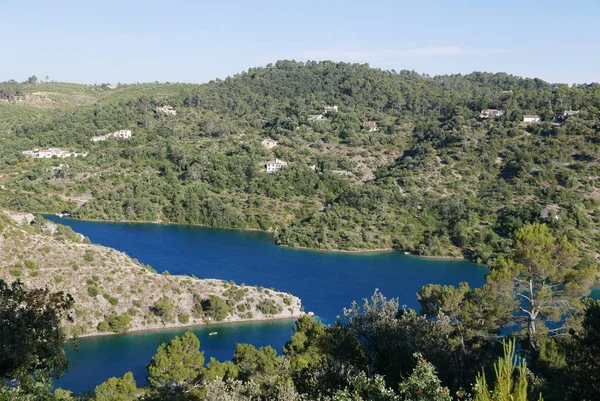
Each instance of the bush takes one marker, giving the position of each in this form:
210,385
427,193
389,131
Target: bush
31,265
215,308
183,318
115,323
268,307
92,291
88,256
16,271
163,308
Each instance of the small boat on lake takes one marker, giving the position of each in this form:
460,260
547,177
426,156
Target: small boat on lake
213,333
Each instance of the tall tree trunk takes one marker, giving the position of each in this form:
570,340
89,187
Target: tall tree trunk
532,331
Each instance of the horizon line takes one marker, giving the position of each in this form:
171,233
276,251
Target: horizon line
42,81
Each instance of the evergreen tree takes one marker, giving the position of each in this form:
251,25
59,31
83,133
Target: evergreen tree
546,282
507,387
177,364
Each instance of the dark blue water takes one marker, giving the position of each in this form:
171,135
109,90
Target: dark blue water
325,281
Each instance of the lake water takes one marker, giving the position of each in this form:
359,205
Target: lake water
325,281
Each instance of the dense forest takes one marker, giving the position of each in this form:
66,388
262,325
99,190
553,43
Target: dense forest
527,333
435,179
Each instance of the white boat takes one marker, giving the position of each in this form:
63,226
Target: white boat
214,333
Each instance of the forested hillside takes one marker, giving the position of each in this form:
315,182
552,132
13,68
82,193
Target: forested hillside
434,179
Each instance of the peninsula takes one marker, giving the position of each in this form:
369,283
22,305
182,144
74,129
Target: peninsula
114,293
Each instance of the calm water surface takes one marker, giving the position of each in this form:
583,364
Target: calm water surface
325,281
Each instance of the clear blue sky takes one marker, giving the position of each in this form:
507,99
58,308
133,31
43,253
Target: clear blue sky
196,41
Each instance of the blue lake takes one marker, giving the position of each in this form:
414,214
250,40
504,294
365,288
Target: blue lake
325,281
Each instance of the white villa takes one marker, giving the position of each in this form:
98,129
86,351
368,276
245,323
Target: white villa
100,138
166,109
491,113
531,118
50,152
268,143
329,108
316,117
274,165
123,134
341,172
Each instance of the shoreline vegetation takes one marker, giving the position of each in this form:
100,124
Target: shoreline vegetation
114,293
192,326
271,232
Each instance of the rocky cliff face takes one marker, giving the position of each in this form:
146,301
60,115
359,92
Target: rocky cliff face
115,293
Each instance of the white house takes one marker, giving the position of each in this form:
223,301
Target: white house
268,143
274,165
491,113
370,125
340,172
100,138
123,133
531,118
50,152
166,109
316,117
570,113
329,108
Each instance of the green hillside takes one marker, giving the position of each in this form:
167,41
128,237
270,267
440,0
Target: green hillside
434,179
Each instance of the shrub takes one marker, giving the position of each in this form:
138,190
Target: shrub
183,318
16,271
268,307
31,265
92,291
215,308
103,326
88,256
115,323
163,308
